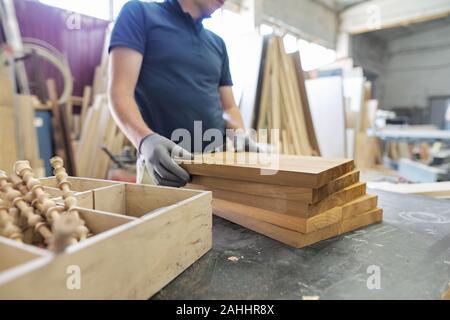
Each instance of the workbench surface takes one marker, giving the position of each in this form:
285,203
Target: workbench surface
411,248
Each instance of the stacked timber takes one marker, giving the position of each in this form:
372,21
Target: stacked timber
283,102
297,200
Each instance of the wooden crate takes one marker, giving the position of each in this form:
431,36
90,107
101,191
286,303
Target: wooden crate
145,236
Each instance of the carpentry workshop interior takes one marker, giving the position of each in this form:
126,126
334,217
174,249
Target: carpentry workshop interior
225,150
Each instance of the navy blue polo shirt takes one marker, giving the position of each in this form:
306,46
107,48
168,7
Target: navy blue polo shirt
183,66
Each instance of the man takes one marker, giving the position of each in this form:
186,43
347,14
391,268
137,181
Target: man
166,73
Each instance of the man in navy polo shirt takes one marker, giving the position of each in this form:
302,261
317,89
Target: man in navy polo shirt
166,73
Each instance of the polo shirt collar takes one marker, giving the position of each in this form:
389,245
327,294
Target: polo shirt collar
176,7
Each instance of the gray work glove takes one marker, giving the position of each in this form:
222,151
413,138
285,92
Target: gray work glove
159,154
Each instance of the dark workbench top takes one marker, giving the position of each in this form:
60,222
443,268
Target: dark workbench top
411,247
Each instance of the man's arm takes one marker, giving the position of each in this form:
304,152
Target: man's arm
125,66
231,113
242,140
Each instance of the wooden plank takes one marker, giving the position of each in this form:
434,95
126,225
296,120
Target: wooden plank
7,92
28,130
253,188
362,204
87,98
305,103
89,147
88,135
266,83
174,238
8,155
294,208
79,184
290,94
69,163
308,195
85,199
110,199
141,199
283,220
99,222
304,225
298,108
15,254
259,88
103,161
289,170
137,200
58,134
292,238
436,189
361,220
336,185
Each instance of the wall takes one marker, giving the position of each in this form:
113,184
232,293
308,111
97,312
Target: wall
311,20
82,46
371,53
418,67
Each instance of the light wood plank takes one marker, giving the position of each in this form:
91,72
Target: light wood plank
293,208
289,170
8,141
14,254
80,184
296,239
283,220
362,204
137,200
308,195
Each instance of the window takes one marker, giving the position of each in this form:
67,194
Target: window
312,54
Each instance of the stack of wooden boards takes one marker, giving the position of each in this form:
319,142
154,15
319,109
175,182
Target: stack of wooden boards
283,103
304,200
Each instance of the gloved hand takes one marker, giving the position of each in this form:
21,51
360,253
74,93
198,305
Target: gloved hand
242,141
158,153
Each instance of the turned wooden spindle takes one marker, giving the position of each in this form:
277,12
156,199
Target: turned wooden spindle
19,185
41,199
63,230
26,211
14,213
8,228
70,201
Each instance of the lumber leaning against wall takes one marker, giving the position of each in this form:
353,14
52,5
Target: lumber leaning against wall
283,104
98,130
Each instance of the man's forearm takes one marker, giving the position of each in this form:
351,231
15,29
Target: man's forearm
126,114
233,118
